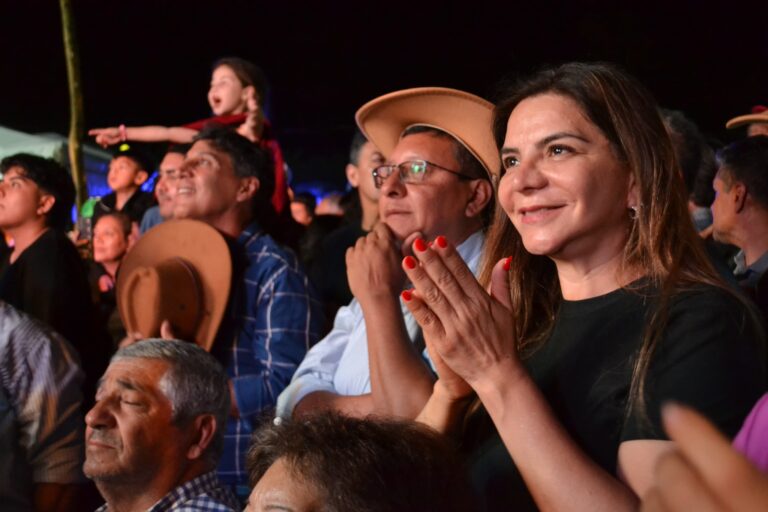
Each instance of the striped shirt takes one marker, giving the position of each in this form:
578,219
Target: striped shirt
272,320
41,424
204,493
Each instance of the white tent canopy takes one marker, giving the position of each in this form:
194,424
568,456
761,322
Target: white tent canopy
48,145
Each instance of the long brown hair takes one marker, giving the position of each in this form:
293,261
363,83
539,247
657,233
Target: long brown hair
661,243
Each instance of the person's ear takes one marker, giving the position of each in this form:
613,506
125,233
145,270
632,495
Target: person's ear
633,192
249,93
482,192
204,428
739,194
353,175
248,188
140,178
45,204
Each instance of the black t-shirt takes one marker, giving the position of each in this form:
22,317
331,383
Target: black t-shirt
711,357
48,281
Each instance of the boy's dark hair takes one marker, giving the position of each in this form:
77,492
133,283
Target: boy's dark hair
53,179
358,141
141,159
248,73
364,464
746,161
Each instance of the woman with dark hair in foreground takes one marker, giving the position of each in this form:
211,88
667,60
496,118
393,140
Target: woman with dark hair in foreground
602,303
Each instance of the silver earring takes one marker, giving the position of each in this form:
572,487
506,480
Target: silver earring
633,212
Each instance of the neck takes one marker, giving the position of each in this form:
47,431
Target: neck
122,197
230,223
24,236
111,267
139,495
594,276
370,213
750,233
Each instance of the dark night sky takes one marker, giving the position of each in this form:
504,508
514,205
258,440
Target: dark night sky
149,62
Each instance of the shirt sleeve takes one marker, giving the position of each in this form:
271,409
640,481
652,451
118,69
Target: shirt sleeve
317,370
285,320
710,359
44,381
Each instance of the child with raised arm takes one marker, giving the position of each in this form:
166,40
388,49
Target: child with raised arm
236,96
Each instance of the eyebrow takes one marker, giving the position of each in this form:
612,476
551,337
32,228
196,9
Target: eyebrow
278,507
546,140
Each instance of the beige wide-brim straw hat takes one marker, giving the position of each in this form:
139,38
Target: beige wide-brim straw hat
464,116
179,271
761,117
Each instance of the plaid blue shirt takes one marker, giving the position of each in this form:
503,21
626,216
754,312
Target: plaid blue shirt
272,320
204,493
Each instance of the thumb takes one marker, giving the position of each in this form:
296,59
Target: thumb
499,287
407,247
166,331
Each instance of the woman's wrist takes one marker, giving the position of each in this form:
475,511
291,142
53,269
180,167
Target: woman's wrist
497,381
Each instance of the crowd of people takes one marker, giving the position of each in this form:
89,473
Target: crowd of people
556,301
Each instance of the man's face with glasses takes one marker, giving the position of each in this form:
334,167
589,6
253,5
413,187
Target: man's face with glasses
423,190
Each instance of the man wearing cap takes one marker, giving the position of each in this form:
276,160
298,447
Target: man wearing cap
435,187
273,316
128,170
154,436
756,121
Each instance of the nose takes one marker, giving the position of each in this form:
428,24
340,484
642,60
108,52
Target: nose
393,186
184,171
100,415
527,176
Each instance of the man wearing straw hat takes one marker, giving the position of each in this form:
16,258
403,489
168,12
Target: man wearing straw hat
435,186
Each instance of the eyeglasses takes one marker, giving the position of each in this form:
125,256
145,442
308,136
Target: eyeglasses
413,171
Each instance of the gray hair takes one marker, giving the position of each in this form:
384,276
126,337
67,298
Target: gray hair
195,383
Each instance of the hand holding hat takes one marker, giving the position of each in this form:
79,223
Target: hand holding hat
180,272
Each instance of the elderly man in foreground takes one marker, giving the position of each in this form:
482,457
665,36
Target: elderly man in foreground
155,435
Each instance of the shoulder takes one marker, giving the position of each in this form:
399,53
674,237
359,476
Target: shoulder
28,338
713,308
265,254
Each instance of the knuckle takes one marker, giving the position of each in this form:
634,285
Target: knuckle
432,295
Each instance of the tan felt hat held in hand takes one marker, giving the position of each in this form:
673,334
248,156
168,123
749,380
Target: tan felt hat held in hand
178,271
466,117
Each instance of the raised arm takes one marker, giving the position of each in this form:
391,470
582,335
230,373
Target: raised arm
116,134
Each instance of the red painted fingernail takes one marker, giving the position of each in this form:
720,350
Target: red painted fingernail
441,242
406,295
410,262
420,245
508,263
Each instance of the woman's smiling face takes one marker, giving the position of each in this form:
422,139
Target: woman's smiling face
563,187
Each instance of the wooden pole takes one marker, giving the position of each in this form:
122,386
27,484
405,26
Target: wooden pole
76,120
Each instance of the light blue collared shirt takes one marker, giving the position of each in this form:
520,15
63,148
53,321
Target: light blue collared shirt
339,362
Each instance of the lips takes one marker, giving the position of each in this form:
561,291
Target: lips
538,213
100,442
